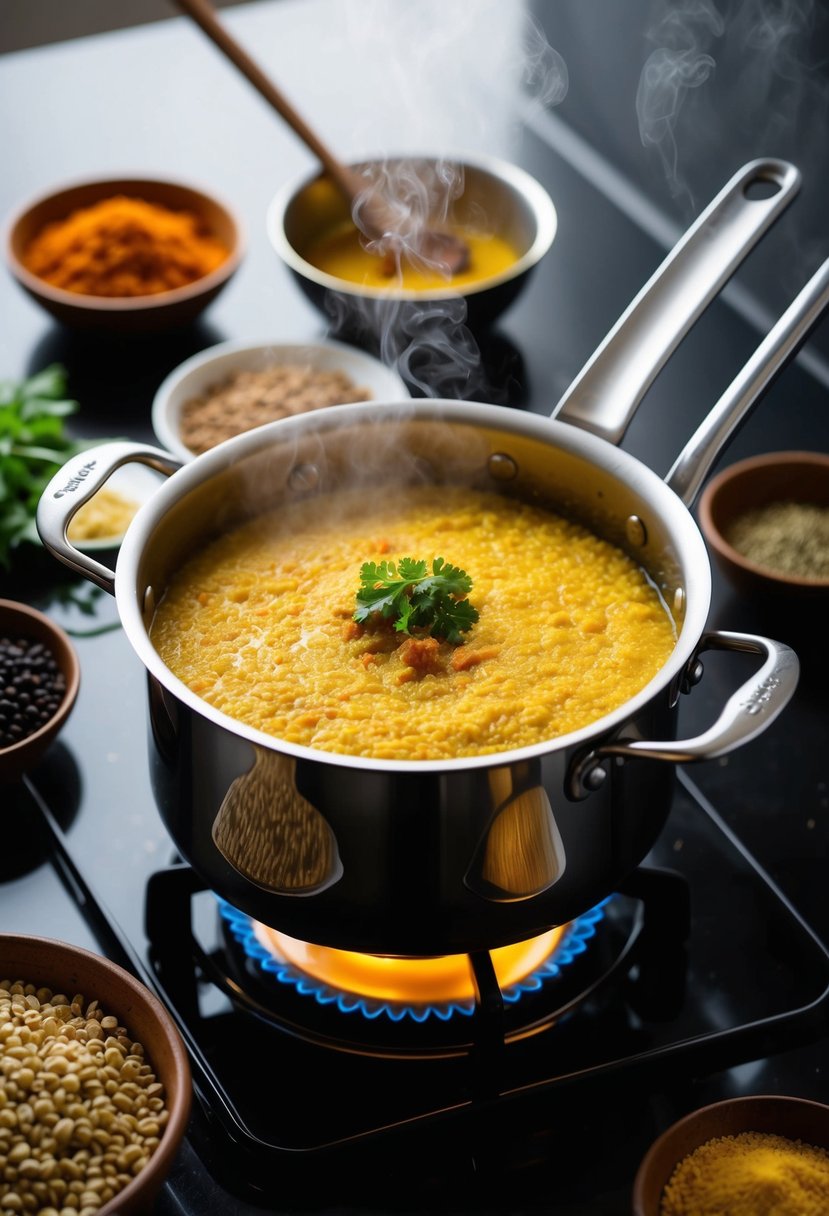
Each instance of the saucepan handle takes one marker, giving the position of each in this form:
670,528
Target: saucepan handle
746,714
780,344
604,396
74,484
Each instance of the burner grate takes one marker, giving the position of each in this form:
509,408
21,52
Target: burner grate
565,951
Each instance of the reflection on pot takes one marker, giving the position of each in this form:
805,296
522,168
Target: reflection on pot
272,835
522,853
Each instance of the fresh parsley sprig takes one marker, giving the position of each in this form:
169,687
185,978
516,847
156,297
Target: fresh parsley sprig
33,446
407,594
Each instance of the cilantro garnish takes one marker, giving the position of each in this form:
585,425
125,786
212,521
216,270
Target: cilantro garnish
403,592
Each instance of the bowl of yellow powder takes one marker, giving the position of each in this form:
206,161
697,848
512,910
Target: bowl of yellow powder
766,521
136,254
753,1156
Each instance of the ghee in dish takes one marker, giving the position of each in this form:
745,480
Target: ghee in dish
340,253
259,624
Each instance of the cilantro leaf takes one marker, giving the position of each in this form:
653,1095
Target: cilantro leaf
405,593
33,446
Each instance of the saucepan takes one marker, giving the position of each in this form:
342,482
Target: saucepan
434,857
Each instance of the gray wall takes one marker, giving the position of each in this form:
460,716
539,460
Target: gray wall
679,94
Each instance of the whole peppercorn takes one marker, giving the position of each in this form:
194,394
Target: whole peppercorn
32,687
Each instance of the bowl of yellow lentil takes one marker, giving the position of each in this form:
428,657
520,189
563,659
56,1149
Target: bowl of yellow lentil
96,1085
124,254
766,521
763,1153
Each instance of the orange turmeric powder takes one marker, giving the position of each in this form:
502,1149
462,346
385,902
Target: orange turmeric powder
124,247
750,1174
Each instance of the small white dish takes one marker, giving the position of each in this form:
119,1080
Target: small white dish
134,483
209,367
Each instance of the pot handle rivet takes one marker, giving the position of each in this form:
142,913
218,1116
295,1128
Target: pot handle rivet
636,532
303,478
692,675
587,776
502,467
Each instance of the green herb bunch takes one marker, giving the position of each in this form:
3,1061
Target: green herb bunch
33,446
405,593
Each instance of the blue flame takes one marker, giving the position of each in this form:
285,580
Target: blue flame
572,944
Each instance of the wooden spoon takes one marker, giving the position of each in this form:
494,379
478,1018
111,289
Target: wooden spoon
383,222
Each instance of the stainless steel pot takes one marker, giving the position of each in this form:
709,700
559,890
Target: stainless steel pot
429,857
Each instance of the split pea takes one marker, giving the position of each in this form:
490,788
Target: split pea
71,1085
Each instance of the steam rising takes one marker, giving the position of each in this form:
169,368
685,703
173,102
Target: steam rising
441,63
766,93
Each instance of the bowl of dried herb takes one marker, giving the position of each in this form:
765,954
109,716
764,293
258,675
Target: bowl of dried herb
39,680
766,521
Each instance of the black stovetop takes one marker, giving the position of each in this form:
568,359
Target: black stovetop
738,1008
696,964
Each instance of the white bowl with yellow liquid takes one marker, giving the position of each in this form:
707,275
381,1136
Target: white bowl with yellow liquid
504,215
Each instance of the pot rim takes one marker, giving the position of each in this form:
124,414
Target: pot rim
523,183
691,553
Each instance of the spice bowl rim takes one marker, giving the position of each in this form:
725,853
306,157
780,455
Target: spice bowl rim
19,757
795,1118
186,299
510,177
75,963
734,563
193,376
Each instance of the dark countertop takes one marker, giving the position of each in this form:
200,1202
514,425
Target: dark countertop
174,108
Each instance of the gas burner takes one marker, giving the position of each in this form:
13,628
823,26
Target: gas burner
488,996
414,988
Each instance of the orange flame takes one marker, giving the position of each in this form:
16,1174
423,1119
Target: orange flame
414,980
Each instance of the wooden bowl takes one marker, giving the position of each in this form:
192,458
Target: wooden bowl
68,969
124,314
19,620
801,477
794,1118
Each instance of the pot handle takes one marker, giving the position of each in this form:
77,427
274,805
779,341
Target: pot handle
604,395
746,713
780,345
74,484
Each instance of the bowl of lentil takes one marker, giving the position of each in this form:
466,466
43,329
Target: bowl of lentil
125,254
236,386
766,521
95,1080
39,680
764,1153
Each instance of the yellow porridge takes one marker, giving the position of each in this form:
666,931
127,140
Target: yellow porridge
260,624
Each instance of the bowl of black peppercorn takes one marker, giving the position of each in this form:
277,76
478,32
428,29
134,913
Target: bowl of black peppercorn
39,679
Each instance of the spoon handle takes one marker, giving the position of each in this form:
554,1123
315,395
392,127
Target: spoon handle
205,17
